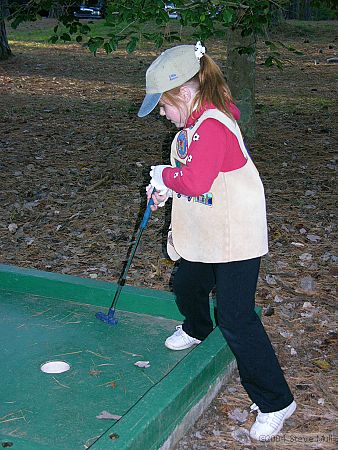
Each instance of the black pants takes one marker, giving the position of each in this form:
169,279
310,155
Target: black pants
235,283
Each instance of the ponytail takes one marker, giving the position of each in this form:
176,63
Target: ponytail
212,87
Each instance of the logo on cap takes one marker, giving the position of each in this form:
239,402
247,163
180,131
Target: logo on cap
173,76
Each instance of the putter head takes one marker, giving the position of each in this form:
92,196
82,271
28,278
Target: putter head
107,318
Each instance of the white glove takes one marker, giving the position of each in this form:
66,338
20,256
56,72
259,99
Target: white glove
166,195
157,180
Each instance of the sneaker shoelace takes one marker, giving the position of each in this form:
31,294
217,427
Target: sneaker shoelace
179,330
183,335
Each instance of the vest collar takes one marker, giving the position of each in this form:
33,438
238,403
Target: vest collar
196,114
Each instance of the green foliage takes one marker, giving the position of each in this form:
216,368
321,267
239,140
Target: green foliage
95,43
273,59
132,22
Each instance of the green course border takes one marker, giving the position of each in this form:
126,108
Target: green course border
154,421
87,291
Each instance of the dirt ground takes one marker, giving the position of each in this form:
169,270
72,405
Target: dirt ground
74,165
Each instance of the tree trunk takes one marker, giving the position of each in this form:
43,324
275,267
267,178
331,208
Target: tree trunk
241,76
294,10
56,10
5,51
307,10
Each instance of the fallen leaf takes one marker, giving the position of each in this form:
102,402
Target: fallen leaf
305,257
270,279
303,387
285,334
238,415
297,244
322,364
269,311
241,435
307,305
143,364
307,283
313,237
29,241
95,373
12,227
108,416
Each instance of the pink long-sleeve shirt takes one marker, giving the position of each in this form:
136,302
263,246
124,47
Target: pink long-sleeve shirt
215,150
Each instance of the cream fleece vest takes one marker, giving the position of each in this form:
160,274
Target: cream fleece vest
228,223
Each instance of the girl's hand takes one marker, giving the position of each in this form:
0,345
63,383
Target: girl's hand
158,198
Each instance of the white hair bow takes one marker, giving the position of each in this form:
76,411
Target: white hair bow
199,50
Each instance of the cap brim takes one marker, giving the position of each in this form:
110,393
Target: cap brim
149,103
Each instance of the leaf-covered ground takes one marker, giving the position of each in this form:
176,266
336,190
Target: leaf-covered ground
74,165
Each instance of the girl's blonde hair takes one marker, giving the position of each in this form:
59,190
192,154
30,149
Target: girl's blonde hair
210,86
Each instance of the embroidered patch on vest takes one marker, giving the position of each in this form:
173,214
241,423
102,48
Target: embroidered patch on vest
204,199
182,144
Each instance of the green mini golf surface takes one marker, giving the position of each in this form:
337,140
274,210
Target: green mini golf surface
47,317
102,377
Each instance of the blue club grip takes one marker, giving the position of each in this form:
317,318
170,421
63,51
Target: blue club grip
147,213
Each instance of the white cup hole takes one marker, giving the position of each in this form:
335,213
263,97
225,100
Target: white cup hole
55,367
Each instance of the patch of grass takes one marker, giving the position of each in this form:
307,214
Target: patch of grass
41,30
324,30
291,105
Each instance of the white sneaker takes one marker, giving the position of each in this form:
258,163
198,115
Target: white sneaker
180,340
268,425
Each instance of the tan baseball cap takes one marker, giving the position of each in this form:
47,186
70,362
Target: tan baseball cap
171,69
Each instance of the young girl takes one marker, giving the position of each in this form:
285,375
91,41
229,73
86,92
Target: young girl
218,223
